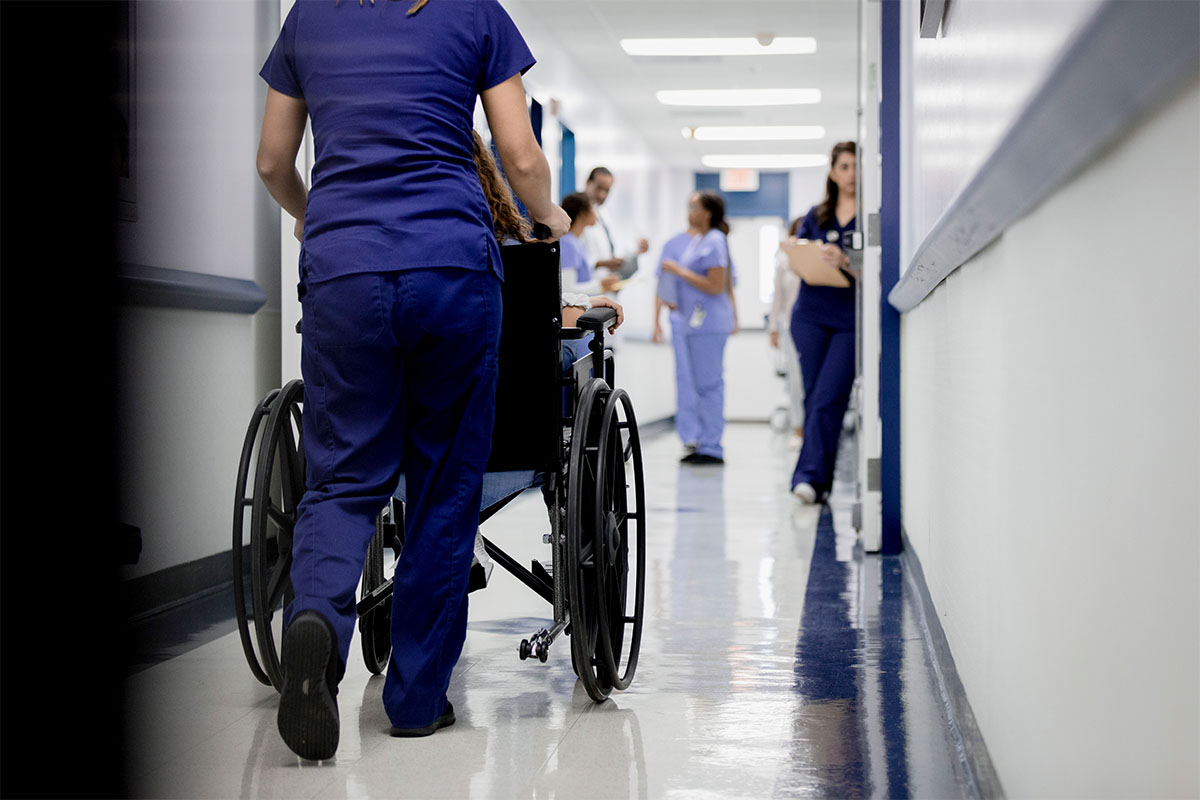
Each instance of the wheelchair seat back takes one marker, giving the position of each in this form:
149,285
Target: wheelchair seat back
528,430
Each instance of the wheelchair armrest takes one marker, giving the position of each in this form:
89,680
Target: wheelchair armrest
595,319
571,333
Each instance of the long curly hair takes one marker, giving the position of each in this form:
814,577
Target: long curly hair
506,219
828,206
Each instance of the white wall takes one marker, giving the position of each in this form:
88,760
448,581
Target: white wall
1051,459
189,379
963,89
806,188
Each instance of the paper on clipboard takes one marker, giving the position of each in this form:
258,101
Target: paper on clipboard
804,259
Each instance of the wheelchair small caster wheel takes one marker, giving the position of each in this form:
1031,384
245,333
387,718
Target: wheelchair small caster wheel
543,654
526,651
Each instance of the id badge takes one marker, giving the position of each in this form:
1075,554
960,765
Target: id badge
698,316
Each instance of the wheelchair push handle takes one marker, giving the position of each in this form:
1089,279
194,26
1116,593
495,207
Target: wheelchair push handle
541,232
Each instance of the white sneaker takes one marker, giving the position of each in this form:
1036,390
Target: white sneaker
806,493
481,565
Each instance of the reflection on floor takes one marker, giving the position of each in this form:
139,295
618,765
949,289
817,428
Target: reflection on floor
778,660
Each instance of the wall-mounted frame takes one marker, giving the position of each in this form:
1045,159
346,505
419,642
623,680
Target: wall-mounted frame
932,12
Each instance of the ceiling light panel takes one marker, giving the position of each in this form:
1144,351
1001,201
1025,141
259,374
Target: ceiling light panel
755,133
746,46
738,97
770,161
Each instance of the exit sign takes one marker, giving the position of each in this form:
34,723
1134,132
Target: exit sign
739,180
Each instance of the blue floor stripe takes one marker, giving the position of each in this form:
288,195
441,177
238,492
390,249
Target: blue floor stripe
835,659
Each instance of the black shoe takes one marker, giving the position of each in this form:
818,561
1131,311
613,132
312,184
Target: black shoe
699,459
444,721
308,712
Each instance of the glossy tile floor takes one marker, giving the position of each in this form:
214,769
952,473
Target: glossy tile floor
778,660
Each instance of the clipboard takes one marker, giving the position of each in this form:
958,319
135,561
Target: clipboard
804,259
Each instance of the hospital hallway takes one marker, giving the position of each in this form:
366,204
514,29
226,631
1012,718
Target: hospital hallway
976,219
778,661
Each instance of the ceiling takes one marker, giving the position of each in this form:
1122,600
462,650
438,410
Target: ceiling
592,30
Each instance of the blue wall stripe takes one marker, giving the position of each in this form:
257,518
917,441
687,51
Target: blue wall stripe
889,318
566,183
771,199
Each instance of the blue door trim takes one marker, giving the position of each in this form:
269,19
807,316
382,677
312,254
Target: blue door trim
889,318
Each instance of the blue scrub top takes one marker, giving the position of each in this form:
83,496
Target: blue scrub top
713,312
826,305
392,99
572,256
668,284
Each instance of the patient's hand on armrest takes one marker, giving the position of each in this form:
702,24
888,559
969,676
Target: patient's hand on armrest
572,313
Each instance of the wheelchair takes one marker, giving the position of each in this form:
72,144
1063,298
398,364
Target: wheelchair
566,431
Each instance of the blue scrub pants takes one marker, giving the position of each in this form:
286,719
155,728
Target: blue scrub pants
827,367
700,388
399,375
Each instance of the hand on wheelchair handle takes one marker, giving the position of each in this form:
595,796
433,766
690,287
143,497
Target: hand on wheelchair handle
551,225
599,314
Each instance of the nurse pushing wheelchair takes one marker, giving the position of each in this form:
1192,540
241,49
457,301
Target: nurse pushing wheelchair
584,456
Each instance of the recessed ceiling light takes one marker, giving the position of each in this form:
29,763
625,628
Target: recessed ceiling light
754,133
738,97
795,161
742,46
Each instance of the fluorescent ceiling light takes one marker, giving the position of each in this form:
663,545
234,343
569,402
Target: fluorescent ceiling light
745,46
738,97
754,133
795,161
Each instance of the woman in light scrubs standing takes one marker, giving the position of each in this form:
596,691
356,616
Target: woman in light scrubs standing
400,286
701,323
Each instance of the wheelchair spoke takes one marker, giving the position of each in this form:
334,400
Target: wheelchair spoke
279,579
281,518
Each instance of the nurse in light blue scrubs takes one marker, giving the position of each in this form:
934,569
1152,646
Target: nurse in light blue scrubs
687,425
400,285
701,322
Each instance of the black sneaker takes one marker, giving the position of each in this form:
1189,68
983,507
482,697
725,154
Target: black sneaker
444,721
308,712
700,459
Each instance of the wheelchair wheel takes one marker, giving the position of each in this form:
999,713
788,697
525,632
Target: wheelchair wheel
583,561
375,626
241,502
278,488
617,526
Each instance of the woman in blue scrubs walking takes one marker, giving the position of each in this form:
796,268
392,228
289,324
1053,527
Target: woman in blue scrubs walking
400,288
701,323
823,329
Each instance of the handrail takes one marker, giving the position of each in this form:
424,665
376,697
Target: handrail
1123,61
175,288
